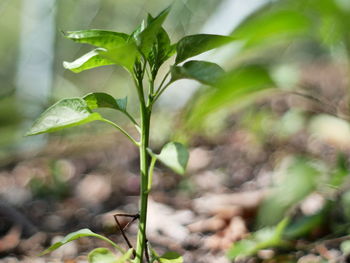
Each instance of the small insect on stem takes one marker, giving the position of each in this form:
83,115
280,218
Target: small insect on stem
134,217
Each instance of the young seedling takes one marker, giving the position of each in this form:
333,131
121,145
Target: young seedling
141,53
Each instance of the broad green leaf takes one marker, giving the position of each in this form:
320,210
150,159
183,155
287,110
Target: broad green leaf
333,21
135,35
102,255
123,55
99,38
63,114
269,26
202,71
163,46
161,51
171,257
304,226
235,86
122,103
193,45
90,60
172,50
262,239
76,235
175,156
147,33
103,100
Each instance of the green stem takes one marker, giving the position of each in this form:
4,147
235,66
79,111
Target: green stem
160,91
137,126
144,168
150,173
122,130
164,79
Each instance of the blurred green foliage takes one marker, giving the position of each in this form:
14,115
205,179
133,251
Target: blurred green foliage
292,32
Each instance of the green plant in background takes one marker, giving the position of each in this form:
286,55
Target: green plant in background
141,53
280,224
293,33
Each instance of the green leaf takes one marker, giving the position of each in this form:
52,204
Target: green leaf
102,255
147,33
193,45
202,71
125,257
302,227
123,55
171,257
175,156
63,114
161,51
103,100
122,103
99,38
340,174
90,60
235,87
298,180
264,238
267,26
76,235
243,248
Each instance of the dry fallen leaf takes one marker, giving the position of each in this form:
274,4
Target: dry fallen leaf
11,239
212,224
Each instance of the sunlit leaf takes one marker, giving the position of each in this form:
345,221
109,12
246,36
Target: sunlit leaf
99,38
90,60
78,234
175,156
147,33
63,114
170,257
103,100
102,255
202,71
193,45
123,55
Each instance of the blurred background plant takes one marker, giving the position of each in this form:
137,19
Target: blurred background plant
276,126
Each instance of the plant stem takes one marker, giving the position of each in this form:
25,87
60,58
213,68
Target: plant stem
122,130
144,169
